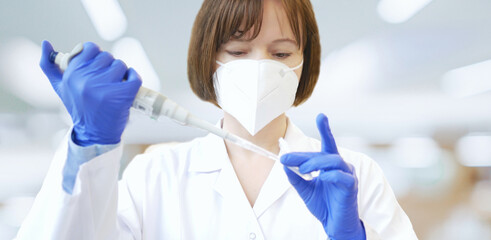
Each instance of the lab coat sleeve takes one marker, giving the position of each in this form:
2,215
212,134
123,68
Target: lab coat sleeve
76,156
90,212
371,234
380,212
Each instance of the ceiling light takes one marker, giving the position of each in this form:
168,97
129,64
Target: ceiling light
22,75
398,11
469,80
474,150
415,152
107,16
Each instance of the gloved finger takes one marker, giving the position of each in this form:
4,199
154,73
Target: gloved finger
117,71
90,51
296,181
297,158
127,90
328,143
51,70
339,178
102,60
133,80
325,162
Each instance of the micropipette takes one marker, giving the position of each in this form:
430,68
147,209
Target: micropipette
156,106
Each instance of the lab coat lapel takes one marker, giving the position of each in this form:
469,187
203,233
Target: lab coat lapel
209,156
227,183
277,182
212,156
273,188
234,208
228,186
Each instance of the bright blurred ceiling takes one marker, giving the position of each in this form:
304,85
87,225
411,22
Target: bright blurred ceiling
379,80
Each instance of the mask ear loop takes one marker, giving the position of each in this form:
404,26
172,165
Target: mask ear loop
283,72
298,66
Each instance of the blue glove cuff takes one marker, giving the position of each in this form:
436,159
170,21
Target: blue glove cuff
363,234
359,234
84,141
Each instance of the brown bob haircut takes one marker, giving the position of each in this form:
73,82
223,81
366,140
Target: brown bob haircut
220,20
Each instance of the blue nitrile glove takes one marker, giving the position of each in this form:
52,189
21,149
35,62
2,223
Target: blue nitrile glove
93,92
332,196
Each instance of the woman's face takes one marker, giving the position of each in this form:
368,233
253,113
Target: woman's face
275,41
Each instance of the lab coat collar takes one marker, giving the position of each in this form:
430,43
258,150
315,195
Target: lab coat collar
297,141
277,182
212,156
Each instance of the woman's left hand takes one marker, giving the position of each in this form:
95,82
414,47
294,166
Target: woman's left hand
332,196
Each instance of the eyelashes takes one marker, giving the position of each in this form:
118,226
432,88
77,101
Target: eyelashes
278,55
282,55
236,53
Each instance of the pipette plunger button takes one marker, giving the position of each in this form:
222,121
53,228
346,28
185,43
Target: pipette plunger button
52,56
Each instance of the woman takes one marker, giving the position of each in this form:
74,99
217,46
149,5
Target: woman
254,59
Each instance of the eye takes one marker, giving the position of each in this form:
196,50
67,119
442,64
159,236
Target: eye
236,53
282,55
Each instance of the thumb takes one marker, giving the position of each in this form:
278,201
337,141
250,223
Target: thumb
133,77
133,81
295,180
328,143
51,70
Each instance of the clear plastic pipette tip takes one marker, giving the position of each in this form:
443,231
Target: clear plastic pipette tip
248,145
252,147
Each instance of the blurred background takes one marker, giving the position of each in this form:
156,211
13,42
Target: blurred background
407,82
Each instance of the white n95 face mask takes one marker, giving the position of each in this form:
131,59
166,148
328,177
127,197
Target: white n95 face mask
255,91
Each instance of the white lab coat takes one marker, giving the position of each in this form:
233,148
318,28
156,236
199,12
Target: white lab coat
190,191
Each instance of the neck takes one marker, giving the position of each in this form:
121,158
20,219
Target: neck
266,138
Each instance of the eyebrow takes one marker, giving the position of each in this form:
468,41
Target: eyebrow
275,41
285,40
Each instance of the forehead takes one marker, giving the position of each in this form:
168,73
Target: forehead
275,23
261,20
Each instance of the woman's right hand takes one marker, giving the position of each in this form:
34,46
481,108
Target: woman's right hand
94,93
